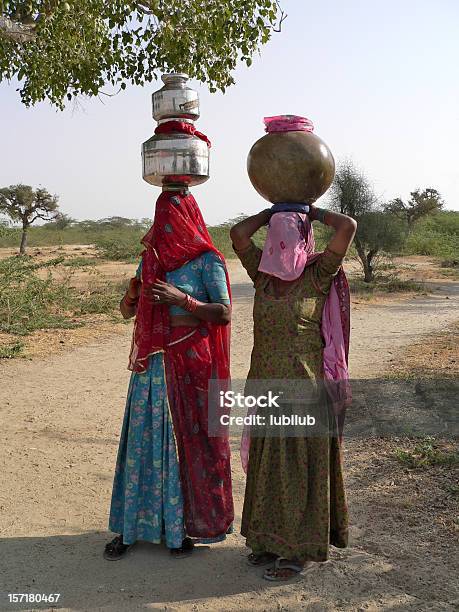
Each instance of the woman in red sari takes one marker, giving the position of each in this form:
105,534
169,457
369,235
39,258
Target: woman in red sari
172,481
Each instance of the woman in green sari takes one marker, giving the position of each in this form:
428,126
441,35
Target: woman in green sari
294,505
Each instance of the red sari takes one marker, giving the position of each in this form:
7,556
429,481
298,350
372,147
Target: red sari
192,356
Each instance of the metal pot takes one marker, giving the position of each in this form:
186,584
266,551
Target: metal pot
175,159
292,166
175,99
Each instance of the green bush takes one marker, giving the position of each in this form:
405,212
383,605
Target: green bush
119,239
436,235
10,351
100,299
28,302
450,263
427,453
388,284
120,247
78,232
80,262
221,239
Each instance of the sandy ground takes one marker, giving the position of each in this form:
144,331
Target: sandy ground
61,417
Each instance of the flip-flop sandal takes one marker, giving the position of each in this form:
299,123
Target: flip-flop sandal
261,559
283,570
115,549
184,551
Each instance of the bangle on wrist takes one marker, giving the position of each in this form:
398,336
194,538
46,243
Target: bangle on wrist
189,303
129,301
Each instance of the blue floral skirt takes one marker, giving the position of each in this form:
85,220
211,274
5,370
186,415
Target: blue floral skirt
147,501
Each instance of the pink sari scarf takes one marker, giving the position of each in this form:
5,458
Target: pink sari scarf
289,248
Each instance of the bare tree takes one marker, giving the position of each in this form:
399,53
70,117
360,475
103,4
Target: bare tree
26,205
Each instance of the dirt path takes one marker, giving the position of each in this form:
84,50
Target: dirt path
61,418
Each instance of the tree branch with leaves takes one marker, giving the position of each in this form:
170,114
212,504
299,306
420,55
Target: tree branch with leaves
59,50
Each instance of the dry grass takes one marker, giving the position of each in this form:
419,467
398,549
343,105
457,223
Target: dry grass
84,270
97,282
424,472
424,498
436,359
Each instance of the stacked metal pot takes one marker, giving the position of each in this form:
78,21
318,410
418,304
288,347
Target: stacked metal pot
175,158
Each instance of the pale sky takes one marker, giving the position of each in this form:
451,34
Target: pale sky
379,79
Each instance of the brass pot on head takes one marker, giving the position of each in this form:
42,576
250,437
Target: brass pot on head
291,166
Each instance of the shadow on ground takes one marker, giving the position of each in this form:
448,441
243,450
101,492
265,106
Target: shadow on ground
73,566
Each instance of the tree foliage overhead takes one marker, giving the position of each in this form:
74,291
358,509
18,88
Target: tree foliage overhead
62,49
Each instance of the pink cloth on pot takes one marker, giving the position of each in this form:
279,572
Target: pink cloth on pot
288,123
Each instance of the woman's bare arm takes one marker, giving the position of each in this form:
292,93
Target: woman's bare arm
128,305
214,313
242,232
170,295
344,226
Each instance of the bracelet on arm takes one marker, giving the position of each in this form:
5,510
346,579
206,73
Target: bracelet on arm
189,303
130,302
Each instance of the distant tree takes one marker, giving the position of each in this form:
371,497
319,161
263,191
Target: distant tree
378,231
145,223
5,228
58,49
117,222
88,224
60,222
420,204
26,205
234,220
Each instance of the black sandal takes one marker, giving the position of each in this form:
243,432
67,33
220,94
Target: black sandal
184,551
115,549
